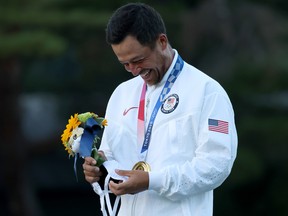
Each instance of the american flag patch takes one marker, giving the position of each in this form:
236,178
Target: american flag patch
218,126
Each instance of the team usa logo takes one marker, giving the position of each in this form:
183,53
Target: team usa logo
170,104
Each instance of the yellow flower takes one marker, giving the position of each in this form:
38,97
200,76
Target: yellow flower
70,152
73,123
104,122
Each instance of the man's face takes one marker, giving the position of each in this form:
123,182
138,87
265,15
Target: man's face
142,60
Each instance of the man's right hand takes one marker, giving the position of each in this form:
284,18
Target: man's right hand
91,171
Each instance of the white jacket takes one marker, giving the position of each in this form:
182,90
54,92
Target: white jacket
187,159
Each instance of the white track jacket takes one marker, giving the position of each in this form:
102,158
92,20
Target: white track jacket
188,157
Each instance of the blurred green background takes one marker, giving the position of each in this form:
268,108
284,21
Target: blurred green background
54,62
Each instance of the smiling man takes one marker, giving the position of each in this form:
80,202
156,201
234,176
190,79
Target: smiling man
171,128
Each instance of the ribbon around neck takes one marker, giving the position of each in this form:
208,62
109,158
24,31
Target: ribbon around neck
176,70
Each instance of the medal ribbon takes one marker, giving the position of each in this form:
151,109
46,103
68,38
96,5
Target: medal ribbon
141,125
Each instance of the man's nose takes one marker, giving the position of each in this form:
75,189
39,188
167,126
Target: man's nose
134,69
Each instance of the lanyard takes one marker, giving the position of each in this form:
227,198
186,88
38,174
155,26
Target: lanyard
145,139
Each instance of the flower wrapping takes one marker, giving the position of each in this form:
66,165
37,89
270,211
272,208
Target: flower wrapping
82,134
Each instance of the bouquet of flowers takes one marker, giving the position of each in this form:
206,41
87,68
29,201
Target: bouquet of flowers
79,139
82,134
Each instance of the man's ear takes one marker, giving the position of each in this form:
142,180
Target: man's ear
163,41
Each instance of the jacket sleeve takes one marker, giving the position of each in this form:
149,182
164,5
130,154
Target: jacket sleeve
213,159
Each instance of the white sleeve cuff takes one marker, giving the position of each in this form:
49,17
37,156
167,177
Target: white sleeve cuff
155,181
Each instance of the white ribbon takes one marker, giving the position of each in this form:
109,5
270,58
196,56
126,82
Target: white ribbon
104,198
104,194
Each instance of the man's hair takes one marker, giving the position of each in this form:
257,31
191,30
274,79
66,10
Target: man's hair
138,20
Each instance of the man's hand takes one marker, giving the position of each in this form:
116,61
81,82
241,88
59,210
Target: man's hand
137,181
91,171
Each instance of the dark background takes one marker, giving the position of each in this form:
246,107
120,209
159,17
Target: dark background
54,62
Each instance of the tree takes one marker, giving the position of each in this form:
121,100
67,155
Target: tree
30,29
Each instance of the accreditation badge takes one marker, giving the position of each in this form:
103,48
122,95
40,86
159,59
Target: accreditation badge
142,165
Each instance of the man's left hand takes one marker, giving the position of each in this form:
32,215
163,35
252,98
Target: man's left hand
137,181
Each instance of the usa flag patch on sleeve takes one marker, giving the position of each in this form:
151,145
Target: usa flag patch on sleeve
218,126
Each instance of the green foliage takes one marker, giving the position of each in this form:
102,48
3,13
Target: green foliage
52,18
27,43
250,79
248,167
39,29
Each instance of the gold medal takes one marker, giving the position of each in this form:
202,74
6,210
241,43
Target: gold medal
142,165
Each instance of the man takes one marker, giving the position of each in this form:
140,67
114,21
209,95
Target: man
171,128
